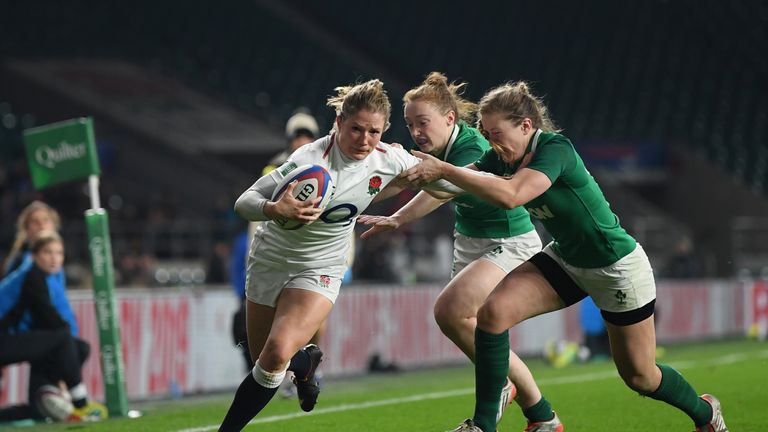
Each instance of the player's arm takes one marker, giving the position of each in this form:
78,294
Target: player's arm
419,206
254,204
424,203
390,190
503,192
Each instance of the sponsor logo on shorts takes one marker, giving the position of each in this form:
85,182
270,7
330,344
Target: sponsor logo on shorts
497,250
324,281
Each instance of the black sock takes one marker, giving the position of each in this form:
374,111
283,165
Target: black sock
300,364
250,399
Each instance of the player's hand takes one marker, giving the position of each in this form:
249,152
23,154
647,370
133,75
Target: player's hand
289,207
380,224
429,170
396,145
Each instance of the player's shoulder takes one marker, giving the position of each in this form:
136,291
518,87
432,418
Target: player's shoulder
388,151
312,152
553,139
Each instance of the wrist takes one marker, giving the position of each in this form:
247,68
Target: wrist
446,170
270,210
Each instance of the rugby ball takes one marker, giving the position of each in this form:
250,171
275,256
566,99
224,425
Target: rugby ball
312,181
52,403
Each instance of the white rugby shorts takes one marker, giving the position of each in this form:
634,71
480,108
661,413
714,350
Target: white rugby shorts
625,285
263,284
507,252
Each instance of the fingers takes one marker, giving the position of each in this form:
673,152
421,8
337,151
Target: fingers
419,154
376,229
396,145
371,231
365,219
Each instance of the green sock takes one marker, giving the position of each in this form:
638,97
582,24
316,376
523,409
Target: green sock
676,391
541,411
491,368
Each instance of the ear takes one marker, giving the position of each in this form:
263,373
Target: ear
338,122
527,125
451,117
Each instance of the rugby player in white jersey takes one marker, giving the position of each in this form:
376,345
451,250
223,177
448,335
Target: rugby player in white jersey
294,276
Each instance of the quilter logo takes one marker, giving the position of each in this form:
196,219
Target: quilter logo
50,156
97,254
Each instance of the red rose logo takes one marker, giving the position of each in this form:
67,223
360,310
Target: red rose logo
374,185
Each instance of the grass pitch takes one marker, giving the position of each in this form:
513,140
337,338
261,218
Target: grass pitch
587,397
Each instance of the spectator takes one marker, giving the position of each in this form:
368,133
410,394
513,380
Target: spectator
33,330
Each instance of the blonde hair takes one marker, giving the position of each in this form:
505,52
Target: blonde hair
443,96
517,102
44,238
367,96
22,222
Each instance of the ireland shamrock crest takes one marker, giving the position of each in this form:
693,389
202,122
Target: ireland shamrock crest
374,185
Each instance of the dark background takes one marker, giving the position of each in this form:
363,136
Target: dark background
665,101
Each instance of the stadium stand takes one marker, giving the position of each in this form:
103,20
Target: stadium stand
651,75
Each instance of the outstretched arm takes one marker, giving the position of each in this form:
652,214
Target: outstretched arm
419,206
503,192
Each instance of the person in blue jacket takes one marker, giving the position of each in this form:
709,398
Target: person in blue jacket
35,218
32,330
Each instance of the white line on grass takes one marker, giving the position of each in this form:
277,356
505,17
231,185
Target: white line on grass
595,376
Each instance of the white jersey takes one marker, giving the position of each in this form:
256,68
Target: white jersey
326,241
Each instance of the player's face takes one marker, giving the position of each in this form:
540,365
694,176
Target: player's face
37,221
507,139
50,257
429,129
360,133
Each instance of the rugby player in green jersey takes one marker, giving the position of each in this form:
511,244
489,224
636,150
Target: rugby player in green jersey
489,242
591,254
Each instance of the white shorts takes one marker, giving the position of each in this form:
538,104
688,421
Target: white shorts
263,284
623,286
507,253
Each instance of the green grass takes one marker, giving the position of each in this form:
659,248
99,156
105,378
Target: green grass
587,397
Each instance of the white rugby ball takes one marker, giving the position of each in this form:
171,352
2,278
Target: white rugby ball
52,403
312,181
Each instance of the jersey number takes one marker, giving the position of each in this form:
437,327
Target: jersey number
342,213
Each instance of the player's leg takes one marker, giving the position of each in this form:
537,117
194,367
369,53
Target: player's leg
634,351
300,314
274,336
317,339
456,313
523,293
626,292
251,396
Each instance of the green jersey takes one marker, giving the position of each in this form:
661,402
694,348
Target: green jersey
475,217
574,211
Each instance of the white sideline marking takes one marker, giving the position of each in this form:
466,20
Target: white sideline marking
726,359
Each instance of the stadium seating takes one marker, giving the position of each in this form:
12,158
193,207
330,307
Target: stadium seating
659,72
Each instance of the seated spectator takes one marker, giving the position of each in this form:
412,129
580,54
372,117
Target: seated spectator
33,330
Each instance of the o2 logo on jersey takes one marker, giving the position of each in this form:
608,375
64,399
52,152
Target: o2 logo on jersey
342,213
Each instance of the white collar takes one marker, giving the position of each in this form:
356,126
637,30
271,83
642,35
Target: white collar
535,140
454,134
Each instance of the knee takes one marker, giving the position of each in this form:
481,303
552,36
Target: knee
446,315
643,383
493,318
275,356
